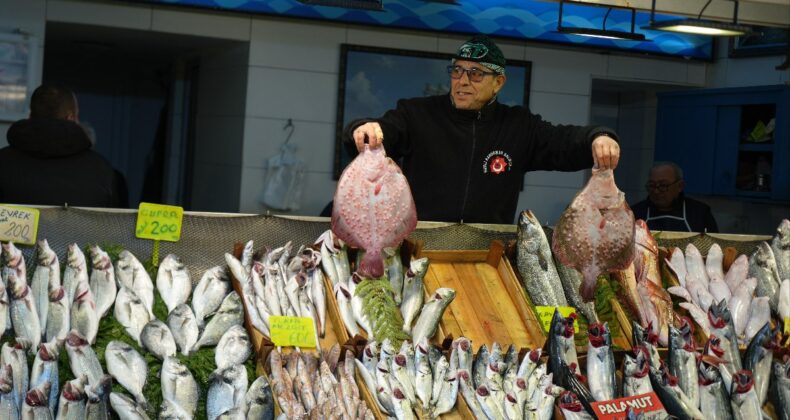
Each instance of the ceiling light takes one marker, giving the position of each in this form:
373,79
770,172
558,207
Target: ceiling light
600,33
699,26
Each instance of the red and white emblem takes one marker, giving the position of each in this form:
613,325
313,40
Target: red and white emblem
497,162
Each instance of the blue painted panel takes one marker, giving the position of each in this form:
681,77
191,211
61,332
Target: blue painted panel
728,125
524,19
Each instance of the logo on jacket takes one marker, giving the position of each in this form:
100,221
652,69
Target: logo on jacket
497,162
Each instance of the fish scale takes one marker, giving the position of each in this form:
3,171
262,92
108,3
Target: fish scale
536,265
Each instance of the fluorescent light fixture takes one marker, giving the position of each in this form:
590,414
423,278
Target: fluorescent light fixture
600,33
700,27
348,4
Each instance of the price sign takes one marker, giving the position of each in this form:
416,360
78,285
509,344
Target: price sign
545,313
18,224
159,222
787,331
649,404
292,331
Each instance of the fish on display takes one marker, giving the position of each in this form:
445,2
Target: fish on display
14,262
571,283
740,305
536,265
714,400
98,394
762,266
157,338
179,386
207,297
636,379
82,358
654,297
102,281
743,398
127,408
172,282
646,338
683,359
675,401
5,310
759,315
184,326
46,277
394,271
36,405
230,313
600,363
570,381
259,402
373,208
130,273
722,327
780,372
595,234
73,399
14,356
130,311
562,347
129,368
572,408
8,405
84,317
45,369
234,347
783,300
58,315
225,390
24,317
76,271
169,410
431,314
780,245
413,292
758,358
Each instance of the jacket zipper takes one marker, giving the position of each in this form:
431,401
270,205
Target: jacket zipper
471,165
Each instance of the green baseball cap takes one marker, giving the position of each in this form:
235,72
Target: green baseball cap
481,49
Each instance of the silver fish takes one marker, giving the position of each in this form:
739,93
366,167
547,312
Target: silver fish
102,281
356,304
45,369
72,400
82,358
758,359
370,356
184,327
343,296
447,395
172,282
209,293
743,399
327,263
170,410
780,245
571,284
98,407
439,378
84,317
571,408
128,367
179,385
536,265
423,385
490,406
600,363
46,277
413,292
36,405
5,309
562,347
157,338
400,374
394,270
723,328
402,405
762,265
714,400
683,360
468,392
8,406
76,271
234,348
432,313
636,380
259,402
227,389
130,273
479,366
15,357
14,262
461,356
781,388
230,313
58,316
529,363
130,311
318,297
24,317
126,408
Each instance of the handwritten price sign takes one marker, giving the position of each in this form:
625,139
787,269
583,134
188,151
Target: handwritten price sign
18,224
159,222
545,313
292,331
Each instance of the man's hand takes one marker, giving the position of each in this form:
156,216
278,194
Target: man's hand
374,135
606,152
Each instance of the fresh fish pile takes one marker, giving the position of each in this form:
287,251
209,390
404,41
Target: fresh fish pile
307,386
373,208
281,282
595,234
750,288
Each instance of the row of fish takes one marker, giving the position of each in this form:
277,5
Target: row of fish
281,282
317,387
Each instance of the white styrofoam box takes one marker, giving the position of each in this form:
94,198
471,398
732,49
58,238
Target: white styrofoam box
94,13
314,141
301,95
547,203
644,69
756,71
564,71
560,108
200,23
696,73
29,16
391,38
223,91
319,189
296,45
219,140
449,43
555,179
215,187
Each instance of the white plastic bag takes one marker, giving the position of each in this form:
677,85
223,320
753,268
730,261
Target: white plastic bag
283,180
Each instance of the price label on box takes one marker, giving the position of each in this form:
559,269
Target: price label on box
647,404
292,331
545,313
159,222
787,331
18,224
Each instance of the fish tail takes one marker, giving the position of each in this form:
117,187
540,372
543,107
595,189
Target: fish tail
372,265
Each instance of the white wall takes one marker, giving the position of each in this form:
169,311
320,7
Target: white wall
736,72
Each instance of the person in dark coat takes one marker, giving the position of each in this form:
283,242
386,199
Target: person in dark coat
49,161
667,208
465,154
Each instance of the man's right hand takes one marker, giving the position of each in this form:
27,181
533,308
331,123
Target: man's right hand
370,131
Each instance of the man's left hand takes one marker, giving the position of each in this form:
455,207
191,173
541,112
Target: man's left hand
606,152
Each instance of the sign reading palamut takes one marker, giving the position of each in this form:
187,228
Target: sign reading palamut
617,409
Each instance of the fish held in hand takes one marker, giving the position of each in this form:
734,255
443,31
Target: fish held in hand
595,234
373,208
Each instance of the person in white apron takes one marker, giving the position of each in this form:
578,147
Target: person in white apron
667,208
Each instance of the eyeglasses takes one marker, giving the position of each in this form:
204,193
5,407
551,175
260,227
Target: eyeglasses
475,74
659,187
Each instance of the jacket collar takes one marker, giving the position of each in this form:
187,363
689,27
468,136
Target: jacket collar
485,114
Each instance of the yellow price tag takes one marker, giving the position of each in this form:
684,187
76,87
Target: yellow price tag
18,224
292,331
159,222
787,331
545,313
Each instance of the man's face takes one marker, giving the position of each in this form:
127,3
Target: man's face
663,187
471,95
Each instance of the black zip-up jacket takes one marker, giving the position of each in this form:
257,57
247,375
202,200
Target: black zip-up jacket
50,161
469,165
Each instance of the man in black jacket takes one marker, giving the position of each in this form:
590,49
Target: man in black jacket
465,154
50,160
667,208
